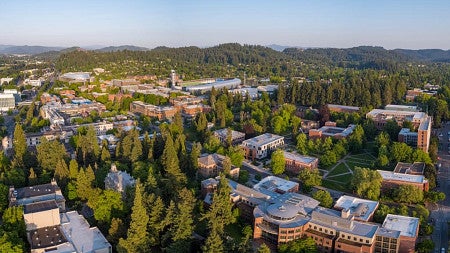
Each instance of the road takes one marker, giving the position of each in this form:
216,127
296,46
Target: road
441,212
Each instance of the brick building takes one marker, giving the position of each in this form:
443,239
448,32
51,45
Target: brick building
296,162
393,179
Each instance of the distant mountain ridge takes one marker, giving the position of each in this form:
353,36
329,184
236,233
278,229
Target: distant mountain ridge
36,50
121,48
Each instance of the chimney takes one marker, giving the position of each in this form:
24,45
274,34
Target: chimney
345,213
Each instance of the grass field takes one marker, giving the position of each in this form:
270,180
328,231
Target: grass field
336,186
341,168
345,179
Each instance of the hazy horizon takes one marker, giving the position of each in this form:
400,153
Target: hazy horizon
324,24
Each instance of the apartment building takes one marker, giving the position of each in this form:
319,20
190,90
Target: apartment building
296,162
261,146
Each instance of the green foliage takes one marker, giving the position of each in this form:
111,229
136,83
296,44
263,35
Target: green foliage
309,178
303,245
19,144
277,162
366,183
108,205
425,246
324,198
302,141
408,194
263,249
137,235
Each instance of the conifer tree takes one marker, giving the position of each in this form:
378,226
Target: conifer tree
73,169
19,145
137,235
175,178
213,244
61,173
32,178
154,222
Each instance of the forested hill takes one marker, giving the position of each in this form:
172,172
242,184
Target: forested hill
228,60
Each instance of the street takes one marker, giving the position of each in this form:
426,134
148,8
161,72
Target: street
441,213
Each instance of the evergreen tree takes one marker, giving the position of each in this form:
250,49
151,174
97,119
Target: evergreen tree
263,249
116,231
137,235
73,169
157,210
213,244
32,178
176,178
19,145
184,222
62,173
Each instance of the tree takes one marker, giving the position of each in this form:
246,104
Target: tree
212,144
236,155
62,173
263,249
246,243
137,235
425,246
392,129
309,178
323,197
183,222
50,153
84,183
107,206
400,152
176,178
32,178
408,194
302,144
328,158
278,162
157,211
357,138
366,183
116,231
303,245
213,243
73,169
19,144
4,190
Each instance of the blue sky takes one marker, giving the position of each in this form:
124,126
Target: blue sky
150,23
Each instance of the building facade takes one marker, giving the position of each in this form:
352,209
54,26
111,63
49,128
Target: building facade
261,146
296,162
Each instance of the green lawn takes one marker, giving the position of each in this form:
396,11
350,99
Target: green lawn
336,186
363,156
345,179
352,165
341,168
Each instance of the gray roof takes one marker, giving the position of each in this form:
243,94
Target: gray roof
40,206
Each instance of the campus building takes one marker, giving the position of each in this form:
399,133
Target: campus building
393,179
421,138
210,165
280,215
118,180
342,108
49,228
331,130
261,146
296,162
236,137
160,112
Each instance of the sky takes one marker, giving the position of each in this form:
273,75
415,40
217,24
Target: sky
150,23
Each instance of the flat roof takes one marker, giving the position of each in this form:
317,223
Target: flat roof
299,158
390,175
346,107
271,184
360,208
327,217
416,168
388,232
82,236
391,107
262,139
426,124
40,206
407,226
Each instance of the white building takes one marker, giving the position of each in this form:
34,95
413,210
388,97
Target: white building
260,146
118,180
7,102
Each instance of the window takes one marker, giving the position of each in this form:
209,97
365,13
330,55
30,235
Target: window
367,241
349,237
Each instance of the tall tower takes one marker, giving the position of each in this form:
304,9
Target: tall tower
173,78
